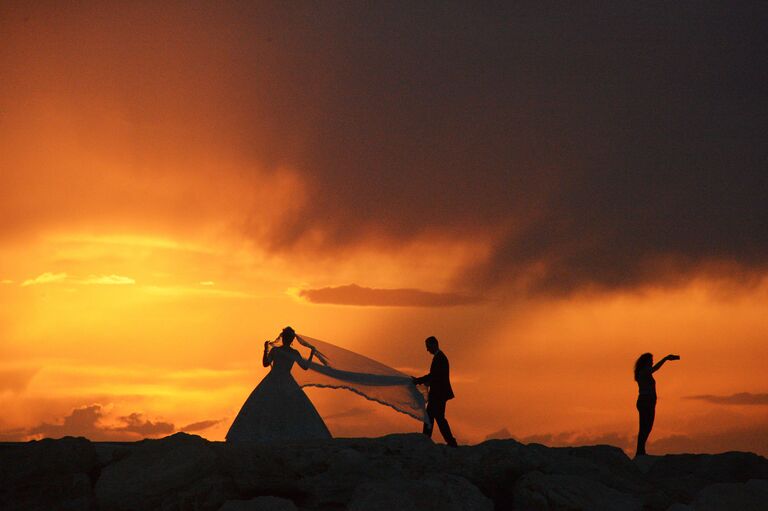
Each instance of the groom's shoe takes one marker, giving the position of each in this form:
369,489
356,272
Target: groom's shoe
452,443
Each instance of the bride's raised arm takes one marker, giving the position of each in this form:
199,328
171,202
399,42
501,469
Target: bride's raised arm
304,364
267,358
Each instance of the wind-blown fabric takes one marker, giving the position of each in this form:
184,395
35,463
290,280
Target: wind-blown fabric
344,369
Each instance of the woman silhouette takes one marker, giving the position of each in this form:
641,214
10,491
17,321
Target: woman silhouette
646,399
278,409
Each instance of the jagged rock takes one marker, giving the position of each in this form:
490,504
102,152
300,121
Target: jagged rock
347,468
256,469
551,492
259,504
439,491
48,474
645,462
206,494
683,476
187,473
495,465
749,496
155,472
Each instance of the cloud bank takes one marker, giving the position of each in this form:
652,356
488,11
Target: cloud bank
741,398
200,426
752,438
91,422
104,280
597,147
353,294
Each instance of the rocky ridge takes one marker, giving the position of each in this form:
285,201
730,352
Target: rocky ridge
403,472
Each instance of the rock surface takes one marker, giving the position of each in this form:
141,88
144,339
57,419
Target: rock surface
187,473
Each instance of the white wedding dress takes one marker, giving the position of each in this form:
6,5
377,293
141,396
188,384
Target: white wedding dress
278,409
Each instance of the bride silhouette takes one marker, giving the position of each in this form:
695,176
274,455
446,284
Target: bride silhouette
279,410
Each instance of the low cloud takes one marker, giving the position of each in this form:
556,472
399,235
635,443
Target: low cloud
353,294
742,398
94,423
83,421
748,439
12,435
502,434
752,438
44,278
51,278
136,423
109,280
200,426
91,422
574,438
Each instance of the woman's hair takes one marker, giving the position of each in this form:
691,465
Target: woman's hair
643,360
287,335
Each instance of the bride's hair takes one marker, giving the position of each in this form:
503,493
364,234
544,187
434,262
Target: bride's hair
289,334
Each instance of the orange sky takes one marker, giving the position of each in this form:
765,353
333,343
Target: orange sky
177,185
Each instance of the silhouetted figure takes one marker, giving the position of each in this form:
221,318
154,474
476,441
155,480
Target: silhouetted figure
440,391
646,399
278,410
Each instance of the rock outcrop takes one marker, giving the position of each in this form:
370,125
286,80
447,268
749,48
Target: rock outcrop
398,472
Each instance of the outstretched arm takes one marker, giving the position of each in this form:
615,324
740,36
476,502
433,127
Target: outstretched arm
437,371
304,364
661,362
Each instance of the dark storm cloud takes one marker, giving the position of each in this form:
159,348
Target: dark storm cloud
353,294
610,146
742,398
600,146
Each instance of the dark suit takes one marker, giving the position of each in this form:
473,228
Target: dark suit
440,392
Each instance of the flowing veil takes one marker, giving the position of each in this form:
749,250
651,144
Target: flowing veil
343,369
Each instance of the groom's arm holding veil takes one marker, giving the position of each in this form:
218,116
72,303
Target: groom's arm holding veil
438,372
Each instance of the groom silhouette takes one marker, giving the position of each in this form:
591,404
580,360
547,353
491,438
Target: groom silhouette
440,391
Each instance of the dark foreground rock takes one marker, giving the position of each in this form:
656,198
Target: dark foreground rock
398,472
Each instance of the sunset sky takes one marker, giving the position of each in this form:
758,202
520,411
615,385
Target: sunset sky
549,191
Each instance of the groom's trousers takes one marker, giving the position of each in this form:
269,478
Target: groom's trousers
436,413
